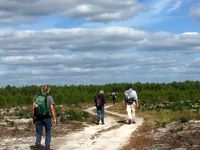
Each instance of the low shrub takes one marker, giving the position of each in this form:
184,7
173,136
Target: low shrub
10,123
23,113
184,119
74,114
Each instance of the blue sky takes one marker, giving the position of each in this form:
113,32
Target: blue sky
98,42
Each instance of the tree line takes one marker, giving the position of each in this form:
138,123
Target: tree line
151,95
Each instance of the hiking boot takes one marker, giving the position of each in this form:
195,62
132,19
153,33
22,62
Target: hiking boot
38,146
129,121
102,121
98,120
133,122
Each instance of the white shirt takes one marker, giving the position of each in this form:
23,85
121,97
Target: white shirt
132,93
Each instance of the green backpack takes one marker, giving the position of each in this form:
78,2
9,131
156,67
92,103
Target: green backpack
42,110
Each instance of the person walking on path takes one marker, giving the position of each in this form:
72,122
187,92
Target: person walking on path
131,103
113,97
43,113
99,101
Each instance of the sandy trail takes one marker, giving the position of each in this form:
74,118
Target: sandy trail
110,136
113,135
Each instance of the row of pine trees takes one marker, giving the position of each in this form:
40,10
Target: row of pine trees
175,95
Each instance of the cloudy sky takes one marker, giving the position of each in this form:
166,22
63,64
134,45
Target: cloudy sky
97,42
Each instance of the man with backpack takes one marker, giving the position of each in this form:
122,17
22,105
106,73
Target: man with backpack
131,102
99,101
43,111
113,97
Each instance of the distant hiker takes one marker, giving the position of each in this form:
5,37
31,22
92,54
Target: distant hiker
131,102
99,103
113,97
43,109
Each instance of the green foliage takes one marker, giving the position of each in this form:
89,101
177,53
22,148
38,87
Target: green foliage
74,114
10,123
23,113
165,116
152,96
184,119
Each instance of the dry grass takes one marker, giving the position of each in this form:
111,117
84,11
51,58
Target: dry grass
140,142
118,107
141,138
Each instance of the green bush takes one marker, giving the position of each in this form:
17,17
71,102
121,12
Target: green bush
184,119
77,115
10,123
74,114
23,113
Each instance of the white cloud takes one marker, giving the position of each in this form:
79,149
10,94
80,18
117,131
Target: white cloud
83,40
190,33
16,12
157,14
16,59
176,6
90,56
195,11
165,6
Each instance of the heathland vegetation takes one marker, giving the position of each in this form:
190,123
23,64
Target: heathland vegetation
174,96
160,104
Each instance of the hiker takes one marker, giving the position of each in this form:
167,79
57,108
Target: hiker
131,103
43,109
113,97
99,103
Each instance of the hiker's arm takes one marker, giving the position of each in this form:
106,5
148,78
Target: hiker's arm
137,104
53,112
136,98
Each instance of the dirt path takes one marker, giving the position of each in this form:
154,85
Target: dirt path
112,135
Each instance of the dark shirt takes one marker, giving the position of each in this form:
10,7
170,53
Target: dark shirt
113,97
101,97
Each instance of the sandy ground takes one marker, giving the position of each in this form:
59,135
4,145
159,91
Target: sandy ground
110,136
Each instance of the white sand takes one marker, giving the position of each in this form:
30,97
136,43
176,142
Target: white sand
96,138
110,136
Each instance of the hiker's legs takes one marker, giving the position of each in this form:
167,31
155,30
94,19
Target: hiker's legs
39,126
47,125
102,115
129,113
133,112
113,101
98,115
